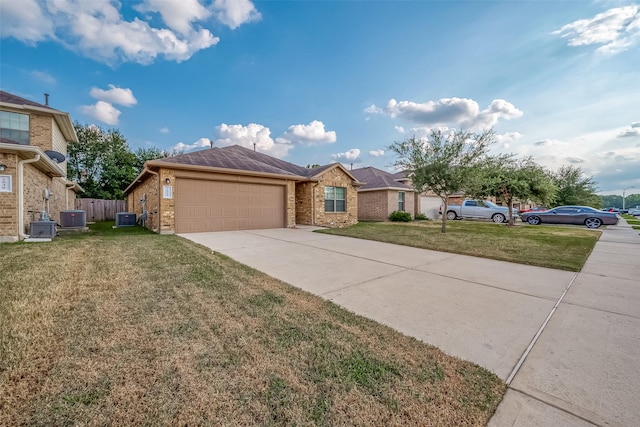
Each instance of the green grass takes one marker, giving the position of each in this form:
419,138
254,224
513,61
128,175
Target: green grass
564,248
125,327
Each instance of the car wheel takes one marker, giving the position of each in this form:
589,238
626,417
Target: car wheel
593,223
499,218
451,215
533,220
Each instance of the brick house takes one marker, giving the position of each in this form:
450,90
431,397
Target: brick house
33,138
382,193
235,188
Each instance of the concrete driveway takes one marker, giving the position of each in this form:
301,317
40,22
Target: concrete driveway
489,312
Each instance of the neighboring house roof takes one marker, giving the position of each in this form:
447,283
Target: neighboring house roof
63,119
241,160
377,179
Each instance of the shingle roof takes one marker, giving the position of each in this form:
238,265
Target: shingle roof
376,179
241,158
10,98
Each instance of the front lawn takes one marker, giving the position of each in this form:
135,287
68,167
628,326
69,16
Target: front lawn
124,327
565,248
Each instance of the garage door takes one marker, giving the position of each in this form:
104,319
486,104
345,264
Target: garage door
220,206
430,206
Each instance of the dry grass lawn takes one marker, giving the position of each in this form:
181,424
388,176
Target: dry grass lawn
123,327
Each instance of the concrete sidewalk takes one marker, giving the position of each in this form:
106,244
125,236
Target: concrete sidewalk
585,367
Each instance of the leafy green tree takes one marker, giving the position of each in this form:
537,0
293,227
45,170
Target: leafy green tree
510,178
152,153
101,162
575,188
443,163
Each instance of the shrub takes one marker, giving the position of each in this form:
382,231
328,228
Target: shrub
400,216
421,217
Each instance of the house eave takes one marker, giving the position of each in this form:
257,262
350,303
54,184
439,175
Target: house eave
62,119
45,164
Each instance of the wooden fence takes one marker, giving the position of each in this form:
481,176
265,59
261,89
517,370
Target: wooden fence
101,210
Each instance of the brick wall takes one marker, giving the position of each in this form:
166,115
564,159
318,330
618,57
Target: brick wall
335,178
378,205
9,201
149,187
304,202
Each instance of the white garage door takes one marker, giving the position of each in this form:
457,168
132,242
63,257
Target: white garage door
221,206
430,206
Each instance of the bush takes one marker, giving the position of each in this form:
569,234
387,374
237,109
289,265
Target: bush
400,216
421,217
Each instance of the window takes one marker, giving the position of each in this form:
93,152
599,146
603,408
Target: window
401,201
14,126
335,199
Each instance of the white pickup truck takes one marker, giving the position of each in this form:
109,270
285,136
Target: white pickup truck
480,209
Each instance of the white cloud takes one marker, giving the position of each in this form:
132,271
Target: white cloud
250,134
178,15
615,30
399,129
376,153
102,111
372,109
97,29
114,95
631,132
311,134
506,139
181,147
462,112
234,13
350,155
164,129
25,20
43,77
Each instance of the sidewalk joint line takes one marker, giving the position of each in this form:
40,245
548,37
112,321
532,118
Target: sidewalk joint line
553,405
537,335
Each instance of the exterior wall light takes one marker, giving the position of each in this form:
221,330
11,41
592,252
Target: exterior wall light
3,167
167,181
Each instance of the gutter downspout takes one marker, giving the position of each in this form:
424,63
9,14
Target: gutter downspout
20,174
159,198
66,194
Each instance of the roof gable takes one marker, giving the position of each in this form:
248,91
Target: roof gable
377,179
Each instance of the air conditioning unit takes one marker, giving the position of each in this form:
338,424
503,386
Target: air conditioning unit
125,219
42,229
73,219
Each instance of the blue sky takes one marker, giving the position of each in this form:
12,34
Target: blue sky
324,81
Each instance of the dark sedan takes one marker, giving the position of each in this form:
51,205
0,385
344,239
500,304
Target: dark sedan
581,215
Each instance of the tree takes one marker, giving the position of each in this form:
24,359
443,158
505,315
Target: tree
152,153
575,188
443,163
510,178
101,162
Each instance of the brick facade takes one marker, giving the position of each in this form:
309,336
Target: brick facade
304,200
310,201
44,134
378,205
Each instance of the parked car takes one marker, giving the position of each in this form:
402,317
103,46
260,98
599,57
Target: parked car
586,215
634,212
480,209
535,209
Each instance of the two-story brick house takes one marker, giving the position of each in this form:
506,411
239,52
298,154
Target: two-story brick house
33,169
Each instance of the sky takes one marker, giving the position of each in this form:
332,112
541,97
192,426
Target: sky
315,82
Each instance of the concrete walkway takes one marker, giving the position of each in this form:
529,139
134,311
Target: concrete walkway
585,367
484,311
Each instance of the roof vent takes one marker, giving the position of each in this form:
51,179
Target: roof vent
46,99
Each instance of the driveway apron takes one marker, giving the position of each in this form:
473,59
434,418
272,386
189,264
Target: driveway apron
481,310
